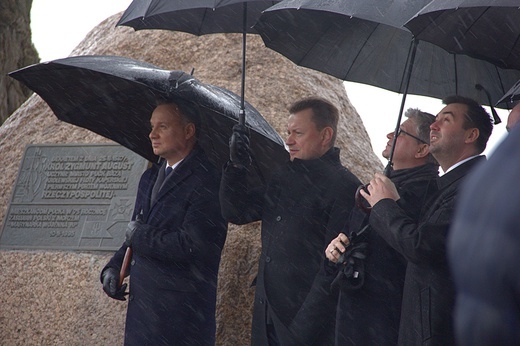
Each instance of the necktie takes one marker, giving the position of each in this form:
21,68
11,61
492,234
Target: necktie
168,171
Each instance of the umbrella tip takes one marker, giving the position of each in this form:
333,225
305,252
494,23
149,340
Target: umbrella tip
496,118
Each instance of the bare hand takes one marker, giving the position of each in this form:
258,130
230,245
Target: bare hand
380,188
336,247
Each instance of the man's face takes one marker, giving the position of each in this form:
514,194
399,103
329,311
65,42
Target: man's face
406,147
447,134
169,135
304,140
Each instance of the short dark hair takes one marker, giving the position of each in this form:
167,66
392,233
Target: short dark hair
325,114
188,111
476,117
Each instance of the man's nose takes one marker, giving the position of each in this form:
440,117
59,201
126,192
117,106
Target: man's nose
289,140
152,134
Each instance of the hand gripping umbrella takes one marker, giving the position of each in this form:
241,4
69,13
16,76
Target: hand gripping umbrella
199,17
115,96
364,41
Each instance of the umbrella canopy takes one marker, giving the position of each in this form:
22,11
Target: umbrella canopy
115,96
364,41
198,17
484,29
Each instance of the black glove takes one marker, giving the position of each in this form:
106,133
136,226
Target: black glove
110,283
130,231
352,267
239,146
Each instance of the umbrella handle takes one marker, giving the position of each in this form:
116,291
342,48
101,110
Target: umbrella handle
124,266
360,199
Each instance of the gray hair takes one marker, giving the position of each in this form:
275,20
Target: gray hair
422,121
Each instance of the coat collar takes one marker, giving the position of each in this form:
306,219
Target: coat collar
331,157
459,172
181,172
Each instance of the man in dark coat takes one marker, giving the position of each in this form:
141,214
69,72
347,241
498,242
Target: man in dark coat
176,238
457,137
369,306
302,207
484,251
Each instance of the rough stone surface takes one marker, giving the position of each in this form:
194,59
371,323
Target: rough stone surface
55,298
16,51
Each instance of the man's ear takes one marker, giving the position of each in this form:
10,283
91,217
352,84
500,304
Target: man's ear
472,135
423,151
189,130
326,135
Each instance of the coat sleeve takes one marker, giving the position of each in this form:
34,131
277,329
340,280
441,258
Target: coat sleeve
417,242
319,307
202,227
240,203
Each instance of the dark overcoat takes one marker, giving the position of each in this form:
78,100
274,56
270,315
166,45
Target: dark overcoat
484,251
370,314
173,274
428,296
303,207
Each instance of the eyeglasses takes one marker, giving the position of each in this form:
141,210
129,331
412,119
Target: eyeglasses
409,134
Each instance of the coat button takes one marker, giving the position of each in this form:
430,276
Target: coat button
131,297
268,259
278,218
261,300
133,262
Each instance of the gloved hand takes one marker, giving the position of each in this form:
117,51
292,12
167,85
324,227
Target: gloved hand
352,267
130,231
239,153
110,283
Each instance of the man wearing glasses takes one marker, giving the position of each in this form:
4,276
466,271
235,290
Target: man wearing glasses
369,304
457,138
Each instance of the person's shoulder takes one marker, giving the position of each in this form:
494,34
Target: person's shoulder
344,173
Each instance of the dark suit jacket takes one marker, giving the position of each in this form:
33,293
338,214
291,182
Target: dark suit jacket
173,276
303,207
428,297
484,251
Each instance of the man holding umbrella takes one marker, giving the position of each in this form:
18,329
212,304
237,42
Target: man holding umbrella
457,137
177,237
303,206
369,306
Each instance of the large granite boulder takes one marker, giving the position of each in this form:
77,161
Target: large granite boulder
54,297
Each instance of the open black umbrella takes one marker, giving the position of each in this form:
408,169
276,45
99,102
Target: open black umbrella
115,96
483,29
512,95
364,41
198,17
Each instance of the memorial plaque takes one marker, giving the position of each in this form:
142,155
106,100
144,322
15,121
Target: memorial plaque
72,197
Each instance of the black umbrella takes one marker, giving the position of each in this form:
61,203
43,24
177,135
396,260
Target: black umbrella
115,96
512,95
483,29
198,17
364,41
